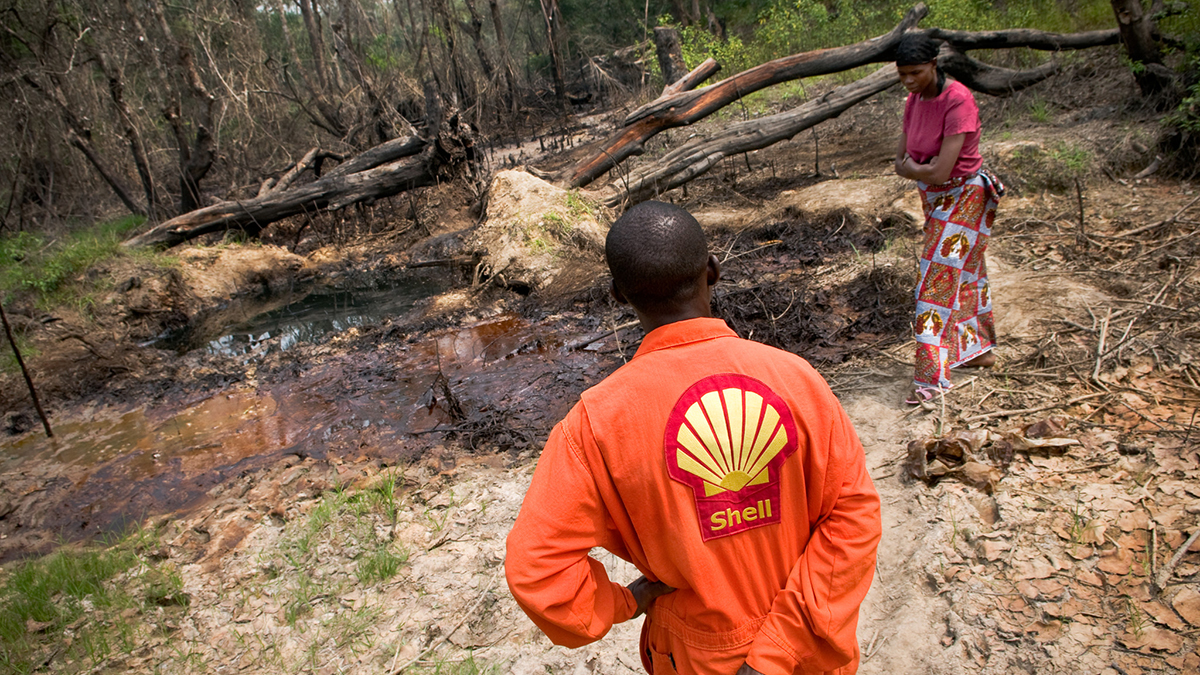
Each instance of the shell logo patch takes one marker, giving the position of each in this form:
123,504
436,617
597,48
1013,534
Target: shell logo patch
726,438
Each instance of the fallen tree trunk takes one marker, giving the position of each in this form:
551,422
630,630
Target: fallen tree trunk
421,163
679,108
991,80
691,106
1025,37
697,156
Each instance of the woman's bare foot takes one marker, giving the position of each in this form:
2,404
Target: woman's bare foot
984,360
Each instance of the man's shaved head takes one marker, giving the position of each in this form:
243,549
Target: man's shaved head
656,252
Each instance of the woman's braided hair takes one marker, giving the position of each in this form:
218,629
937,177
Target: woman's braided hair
916,49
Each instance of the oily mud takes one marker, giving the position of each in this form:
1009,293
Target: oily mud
820,286
388,401
381,392
305,314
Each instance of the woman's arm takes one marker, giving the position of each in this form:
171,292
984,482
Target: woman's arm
938,169
901,156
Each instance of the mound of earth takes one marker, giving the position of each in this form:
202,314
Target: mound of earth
538,237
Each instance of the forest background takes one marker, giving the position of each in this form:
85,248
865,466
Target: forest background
153,108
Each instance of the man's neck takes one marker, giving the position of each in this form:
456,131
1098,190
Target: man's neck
653,320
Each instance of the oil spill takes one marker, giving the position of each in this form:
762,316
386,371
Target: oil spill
305,314
113,469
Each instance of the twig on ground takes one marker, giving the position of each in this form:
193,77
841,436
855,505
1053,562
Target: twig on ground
1151,226
1023,411
1160,582
445,636
1100,348
580,344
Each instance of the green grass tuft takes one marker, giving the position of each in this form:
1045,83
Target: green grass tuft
45,267
42,598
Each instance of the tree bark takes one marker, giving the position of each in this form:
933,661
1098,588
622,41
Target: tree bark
475,27
687,107
378,111
698,155
197,158
670,54
331,119
1024,37
116,89
505,56
97,163
1137,34
79,136
405,165
991,80
553,19
316,43
686,83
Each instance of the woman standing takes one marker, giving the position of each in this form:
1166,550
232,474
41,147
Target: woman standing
940,150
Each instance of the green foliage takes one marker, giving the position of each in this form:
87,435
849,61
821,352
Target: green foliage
344,521
784,27
698,44
1181,140
1186,116
45,268
52,589
382,52
578,207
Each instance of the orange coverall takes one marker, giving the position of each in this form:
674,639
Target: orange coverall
724,468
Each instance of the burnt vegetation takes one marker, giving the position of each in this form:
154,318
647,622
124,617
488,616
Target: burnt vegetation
791,286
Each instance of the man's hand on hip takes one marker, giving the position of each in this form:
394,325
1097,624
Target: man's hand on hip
645,591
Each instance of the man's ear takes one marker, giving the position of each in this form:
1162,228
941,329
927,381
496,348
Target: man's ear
714,270
617,295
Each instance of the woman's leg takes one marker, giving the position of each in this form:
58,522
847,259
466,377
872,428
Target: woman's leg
941,260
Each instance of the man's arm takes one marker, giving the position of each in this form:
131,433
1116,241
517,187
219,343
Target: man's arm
813,620
564,591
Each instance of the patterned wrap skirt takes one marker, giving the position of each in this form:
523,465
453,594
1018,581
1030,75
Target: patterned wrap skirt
954,304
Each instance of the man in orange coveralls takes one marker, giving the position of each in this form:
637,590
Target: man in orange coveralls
724,469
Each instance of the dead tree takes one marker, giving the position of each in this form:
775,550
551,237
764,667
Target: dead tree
553,18
987,79
680,106
327,116
137,148
79,136
1024,37
1154,79
683,108
506,65
698,155
198,150
390,168
475,28
670,54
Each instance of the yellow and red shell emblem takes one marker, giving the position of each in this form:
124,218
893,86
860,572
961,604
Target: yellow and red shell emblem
726,438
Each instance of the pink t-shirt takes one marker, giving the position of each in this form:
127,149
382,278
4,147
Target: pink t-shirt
926,123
